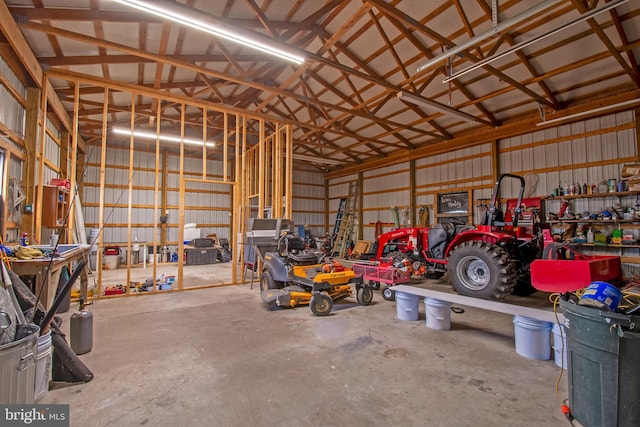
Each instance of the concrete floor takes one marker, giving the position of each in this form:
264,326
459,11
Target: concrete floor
219,357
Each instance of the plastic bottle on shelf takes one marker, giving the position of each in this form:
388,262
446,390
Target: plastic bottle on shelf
590,236
585,189
616,236
565,189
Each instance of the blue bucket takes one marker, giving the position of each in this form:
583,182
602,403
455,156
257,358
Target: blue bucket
601,295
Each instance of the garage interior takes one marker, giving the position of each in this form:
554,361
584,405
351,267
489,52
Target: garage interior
156,139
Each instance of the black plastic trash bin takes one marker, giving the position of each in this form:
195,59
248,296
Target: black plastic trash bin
603,366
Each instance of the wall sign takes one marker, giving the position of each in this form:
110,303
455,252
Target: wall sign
453,204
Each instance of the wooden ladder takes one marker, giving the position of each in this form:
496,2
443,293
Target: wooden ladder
343,226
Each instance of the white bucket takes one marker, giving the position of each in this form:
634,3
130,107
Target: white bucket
438,314
43,366
53,240
560,345
407,306
533,338
111,262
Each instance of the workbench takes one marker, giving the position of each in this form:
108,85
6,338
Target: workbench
47,271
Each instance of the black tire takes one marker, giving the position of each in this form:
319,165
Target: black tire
267,282
481,270
364,295
388,294
434,274
374,285
321,304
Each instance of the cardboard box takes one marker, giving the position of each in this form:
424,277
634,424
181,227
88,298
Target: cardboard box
630,170
633,184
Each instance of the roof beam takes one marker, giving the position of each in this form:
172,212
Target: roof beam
22,49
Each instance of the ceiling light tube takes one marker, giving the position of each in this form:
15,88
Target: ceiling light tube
425,102
586,113
168,138
185,16
492,32
315,159
526,43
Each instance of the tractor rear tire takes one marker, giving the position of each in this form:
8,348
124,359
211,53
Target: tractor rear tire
481,270
321,304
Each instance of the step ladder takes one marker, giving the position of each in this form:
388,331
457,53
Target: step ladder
343,238
343,226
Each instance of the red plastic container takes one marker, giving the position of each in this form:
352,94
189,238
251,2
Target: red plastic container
61,182
568,275
112,250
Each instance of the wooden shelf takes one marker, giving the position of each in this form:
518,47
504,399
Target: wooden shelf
609,245
55,203
591,196
600,224
594,221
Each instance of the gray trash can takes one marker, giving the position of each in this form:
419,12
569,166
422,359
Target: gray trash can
18,368
604,375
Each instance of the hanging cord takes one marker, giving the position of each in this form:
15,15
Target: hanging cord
564,407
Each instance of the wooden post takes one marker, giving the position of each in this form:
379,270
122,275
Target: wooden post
30,142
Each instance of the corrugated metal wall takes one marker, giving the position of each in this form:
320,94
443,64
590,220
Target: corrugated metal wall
308,199
585,152
12,116
206,204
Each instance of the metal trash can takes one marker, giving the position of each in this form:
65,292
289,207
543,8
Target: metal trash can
604,379
18,368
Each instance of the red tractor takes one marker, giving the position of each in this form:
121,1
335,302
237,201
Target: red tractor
488,261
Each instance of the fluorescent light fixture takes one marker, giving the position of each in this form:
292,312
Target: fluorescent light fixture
586,113
161,137
489,33
518,46
315,159
425,102
184,16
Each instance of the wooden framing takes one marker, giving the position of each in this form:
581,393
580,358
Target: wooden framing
261,172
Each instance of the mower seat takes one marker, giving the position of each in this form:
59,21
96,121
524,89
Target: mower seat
303,258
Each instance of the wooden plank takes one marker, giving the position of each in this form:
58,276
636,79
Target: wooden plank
534,313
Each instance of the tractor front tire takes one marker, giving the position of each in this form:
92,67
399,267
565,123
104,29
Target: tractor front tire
481,270
321,304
